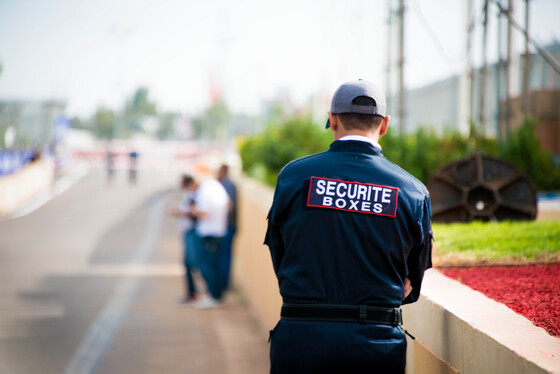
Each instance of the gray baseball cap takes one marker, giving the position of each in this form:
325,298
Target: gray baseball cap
346,93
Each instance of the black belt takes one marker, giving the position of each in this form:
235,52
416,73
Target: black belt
341,313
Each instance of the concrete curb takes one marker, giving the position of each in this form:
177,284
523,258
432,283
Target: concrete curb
475,334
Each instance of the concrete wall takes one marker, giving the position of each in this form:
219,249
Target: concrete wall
457,330
252,266
18,188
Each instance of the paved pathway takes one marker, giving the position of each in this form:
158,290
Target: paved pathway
89,283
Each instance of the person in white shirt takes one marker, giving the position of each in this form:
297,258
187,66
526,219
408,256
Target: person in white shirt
210,209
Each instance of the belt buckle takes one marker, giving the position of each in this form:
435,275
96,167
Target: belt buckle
363,314
397,316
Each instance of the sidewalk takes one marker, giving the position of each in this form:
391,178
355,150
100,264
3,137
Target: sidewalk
90,282
162,337
158,336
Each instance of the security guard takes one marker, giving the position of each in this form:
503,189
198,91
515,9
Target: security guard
350,238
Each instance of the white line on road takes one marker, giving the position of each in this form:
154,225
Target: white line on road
100,335
127,270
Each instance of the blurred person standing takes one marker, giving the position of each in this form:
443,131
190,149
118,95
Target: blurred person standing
189,240
227,244
133,166
110,164
210,210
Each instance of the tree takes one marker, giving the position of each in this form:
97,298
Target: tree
137,108
522,148
264,155
213,123
166,129
77,123
104,123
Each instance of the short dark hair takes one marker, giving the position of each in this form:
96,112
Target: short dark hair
186,180
358,121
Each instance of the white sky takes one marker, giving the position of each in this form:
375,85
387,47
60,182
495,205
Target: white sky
92,53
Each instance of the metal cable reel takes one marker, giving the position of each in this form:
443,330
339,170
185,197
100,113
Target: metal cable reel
481,188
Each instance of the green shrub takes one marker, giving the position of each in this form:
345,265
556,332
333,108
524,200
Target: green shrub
264,155
422,153
523,149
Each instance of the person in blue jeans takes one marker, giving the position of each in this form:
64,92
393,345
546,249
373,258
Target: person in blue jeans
189,241
227,244
210,210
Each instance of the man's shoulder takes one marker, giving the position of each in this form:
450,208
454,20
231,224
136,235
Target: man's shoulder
301,163
408,179
211,187
227,182
208,184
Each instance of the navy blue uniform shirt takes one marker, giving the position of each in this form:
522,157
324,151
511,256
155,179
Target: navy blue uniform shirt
347,226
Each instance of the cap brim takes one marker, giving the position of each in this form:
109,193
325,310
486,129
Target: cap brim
328,124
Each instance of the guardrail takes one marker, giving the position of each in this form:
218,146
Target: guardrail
24,184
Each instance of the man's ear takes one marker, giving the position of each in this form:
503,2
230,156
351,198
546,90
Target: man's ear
333,121
384,126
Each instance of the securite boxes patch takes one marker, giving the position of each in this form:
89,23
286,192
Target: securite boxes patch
353,196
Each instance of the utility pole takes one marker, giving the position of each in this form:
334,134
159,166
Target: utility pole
470,69
499,77
400,64
526,70
389,50
484,70
465,82
548,58
509,72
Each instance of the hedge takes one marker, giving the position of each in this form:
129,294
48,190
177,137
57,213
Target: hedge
421,153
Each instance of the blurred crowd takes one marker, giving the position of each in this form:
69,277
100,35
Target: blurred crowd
12,160
207,217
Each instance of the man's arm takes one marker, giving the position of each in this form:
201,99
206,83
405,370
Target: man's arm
407,288
420,257
273,237
196,213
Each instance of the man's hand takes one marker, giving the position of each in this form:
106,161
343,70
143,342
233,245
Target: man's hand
173,212
407,288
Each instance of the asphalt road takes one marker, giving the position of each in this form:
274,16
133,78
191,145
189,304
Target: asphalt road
88,284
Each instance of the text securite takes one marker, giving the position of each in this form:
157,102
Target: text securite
353,196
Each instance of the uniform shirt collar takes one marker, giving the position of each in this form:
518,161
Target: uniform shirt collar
361,139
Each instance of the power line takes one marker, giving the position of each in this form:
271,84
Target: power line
540,50
433,36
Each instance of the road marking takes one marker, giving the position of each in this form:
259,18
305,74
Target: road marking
100,335
127,270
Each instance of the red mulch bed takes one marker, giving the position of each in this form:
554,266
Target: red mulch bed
530,290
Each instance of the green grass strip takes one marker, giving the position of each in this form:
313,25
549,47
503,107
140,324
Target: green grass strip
497,240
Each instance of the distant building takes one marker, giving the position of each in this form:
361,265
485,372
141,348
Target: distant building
437,105
33,121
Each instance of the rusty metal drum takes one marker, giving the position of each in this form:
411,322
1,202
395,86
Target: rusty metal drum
481,188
